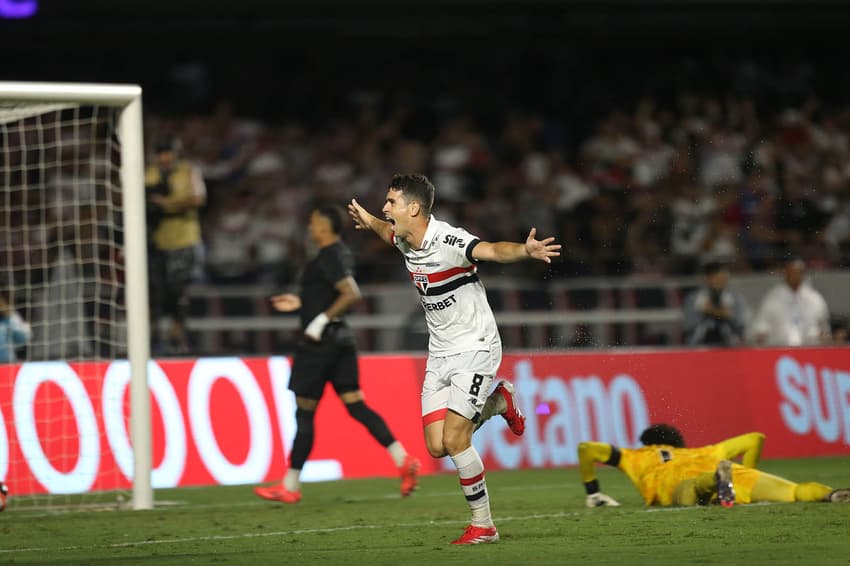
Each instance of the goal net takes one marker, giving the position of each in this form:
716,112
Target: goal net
73,302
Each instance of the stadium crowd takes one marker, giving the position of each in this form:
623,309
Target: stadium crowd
652,189
647,186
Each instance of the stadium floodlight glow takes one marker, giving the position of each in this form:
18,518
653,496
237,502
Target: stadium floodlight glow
18,9
74,151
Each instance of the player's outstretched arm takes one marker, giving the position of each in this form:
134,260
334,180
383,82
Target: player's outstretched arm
364,220
590,453
509,252
747,445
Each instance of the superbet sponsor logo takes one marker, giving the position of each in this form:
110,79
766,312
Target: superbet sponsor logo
814,399
579,408
440,305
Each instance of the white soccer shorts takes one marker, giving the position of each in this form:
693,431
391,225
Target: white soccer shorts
459,382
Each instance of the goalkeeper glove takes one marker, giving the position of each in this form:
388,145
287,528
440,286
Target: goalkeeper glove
599,499
316,327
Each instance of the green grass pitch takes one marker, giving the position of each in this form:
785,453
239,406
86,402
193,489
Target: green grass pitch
540,515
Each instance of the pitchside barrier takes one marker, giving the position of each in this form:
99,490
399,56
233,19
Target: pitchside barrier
231,420
616,311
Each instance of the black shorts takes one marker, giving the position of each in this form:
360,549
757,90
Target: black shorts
333,360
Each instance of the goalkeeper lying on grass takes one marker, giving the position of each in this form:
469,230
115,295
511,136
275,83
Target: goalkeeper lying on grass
666,473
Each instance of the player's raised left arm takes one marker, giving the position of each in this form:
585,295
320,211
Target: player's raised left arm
509,252
364,220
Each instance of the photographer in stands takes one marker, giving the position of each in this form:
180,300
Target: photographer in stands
713,314
175,192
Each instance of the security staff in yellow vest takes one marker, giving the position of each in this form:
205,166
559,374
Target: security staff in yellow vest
175,192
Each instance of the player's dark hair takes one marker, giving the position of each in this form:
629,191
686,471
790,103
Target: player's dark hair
662,434
333,215
415,186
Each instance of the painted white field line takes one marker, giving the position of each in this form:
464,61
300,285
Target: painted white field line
536,516
279,533
252,501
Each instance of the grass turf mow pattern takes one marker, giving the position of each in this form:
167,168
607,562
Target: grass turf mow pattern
540,515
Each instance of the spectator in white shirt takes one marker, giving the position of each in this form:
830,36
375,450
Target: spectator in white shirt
793,313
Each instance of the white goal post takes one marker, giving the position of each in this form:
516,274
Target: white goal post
127,101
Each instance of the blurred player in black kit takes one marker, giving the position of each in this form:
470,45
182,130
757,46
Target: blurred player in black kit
328,354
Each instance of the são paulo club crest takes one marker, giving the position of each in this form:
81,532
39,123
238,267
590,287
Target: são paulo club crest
421,281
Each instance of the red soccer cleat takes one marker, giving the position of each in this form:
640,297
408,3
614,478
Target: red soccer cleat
278,493
512,414
409,472
478,535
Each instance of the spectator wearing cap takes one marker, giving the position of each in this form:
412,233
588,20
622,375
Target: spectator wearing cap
792,313
714,315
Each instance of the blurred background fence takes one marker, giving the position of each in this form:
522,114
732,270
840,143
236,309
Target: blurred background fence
583,313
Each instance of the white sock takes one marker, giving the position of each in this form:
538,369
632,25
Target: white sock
398,453
292,480
470,470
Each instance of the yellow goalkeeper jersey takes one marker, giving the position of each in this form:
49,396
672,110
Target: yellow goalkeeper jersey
657,470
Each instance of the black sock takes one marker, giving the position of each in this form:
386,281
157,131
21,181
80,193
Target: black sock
303,443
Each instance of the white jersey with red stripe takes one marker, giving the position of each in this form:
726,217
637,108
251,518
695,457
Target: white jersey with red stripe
445,274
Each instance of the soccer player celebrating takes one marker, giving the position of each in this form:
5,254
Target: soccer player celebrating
666,473
464,348
328,353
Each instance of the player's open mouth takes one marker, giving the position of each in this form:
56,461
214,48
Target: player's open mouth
390,220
